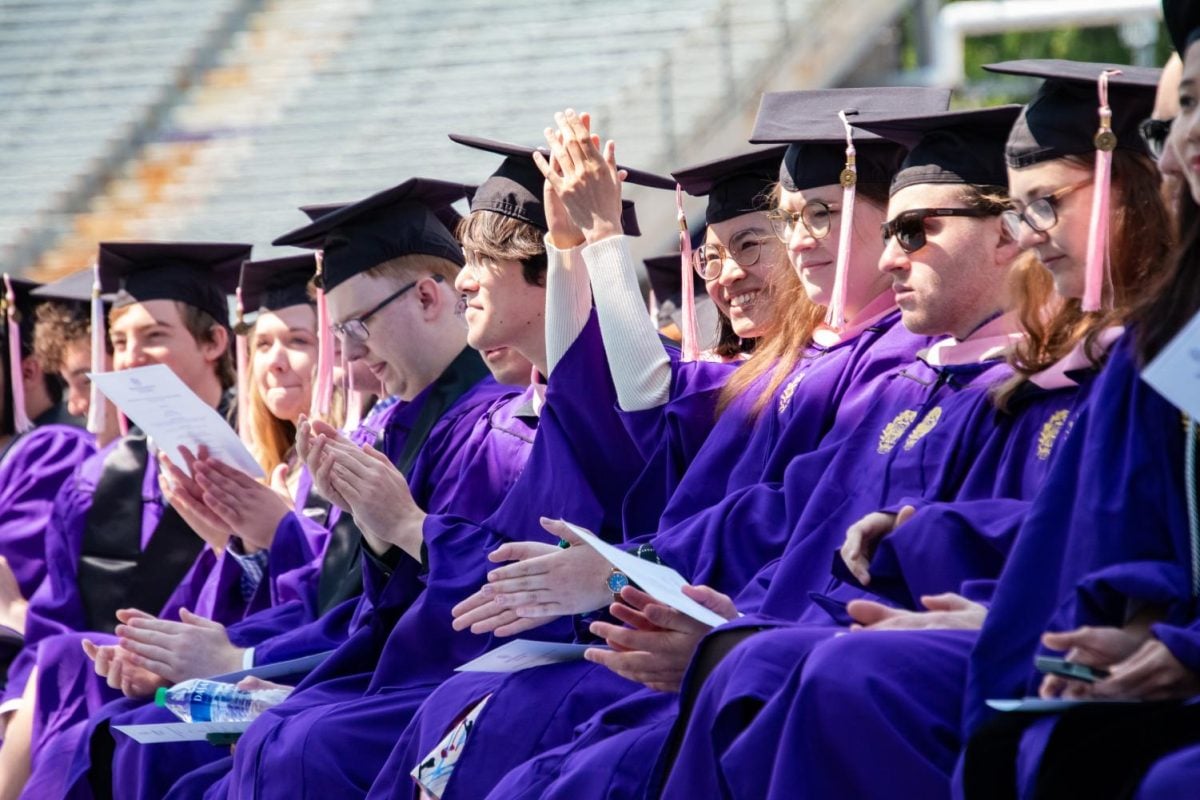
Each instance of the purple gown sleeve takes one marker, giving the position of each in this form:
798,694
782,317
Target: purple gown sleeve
31,474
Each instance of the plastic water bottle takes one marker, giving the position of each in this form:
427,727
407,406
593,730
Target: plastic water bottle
212,701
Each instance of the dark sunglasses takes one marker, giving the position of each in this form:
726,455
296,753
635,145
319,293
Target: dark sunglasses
909,226
1154,133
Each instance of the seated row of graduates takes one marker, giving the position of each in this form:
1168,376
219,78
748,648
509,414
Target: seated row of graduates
940,432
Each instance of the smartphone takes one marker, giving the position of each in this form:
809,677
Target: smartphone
1069,669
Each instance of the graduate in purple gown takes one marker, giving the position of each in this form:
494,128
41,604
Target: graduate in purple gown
1118,596
171,310
36,461
830,372
451,430
359,699
801,743
920,413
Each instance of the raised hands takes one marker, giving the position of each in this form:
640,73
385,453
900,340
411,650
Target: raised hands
585,180
544,583
187,498
863,537
659,642
363,482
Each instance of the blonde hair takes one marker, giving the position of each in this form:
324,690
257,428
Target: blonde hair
794,320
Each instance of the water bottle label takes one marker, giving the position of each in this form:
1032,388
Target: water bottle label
200,704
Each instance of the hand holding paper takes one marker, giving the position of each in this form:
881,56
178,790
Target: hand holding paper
662,583
158,402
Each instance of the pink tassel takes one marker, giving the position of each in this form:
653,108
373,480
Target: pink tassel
21,423
323,390
97,404
1096,275
242,351
352,395
691,333
836,318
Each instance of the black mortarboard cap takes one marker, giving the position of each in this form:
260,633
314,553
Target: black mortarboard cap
76,287
808,122
734,185
1063,116
200,274
396,222
1182,18
515,188
667,284
949,146
26,301
277,283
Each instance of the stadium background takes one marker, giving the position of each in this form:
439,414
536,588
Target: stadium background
216,119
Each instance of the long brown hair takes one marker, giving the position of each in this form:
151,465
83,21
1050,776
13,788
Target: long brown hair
1141,243
793,321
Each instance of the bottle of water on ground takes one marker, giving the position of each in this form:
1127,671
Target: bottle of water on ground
212,701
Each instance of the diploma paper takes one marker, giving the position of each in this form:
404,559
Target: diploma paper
179,731
158,402
1175,372
522,654
1054,705
662,583
280,669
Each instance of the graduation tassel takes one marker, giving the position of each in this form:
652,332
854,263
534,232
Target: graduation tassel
836,318
1096,266
690,343
323,389
21,423
97,404
352,395
242,351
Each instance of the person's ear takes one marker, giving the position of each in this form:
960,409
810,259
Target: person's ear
431,297
1007,248
31,369
215,343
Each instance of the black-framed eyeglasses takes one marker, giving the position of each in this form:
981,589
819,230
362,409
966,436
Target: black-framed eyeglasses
708,260
1042,214
909,226
1154,133
355,329
815,216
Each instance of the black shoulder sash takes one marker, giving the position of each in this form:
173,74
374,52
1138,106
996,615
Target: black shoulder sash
341,566
114,572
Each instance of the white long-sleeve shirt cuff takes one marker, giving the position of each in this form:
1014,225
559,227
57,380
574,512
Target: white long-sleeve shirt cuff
639,365
568,300
248,658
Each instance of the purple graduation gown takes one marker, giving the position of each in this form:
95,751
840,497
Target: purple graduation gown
875,465
481,440
835,379
32,469
342,722
906,715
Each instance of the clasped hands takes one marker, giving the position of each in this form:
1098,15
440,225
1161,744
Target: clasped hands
218,501
364,483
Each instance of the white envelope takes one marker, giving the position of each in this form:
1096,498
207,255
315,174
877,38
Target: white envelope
179,731
1175,371
521,654
158,402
